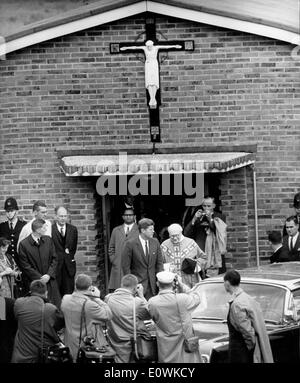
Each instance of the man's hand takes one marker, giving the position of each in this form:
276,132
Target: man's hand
140,290
45,278
197,215
94,291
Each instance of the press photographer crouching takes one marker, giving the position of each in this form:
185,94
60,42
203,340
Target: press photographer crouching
35,316
171,312
84,314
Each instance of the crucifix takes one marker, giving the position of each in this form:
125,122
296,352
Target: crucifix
151,48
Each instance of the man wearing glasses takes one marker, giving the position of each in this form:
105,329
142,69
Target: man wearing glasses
208,229
119,236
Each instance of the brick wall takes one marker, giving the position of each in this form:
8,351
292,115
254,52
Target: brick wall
70,93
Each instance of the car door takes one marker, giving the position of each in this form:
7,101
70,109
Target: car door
285,339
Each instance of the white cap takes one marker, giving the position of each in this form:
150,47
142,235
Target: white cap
165,277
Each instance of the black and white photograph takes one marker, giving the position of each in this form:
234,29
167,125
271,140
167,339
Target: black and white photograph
150,185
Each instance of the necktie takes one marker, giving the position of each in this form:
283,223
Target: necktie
11,226
146,249
127,231
62,231
291,243
38,241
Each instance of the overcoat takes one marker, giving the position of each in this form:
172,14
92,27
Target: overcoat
37,260
115,249
246,317
169,325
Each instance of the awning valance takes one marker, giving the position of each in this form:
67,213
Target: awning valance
123,164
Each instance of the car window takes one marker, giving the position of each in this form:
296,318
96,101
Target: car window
296,296
214,301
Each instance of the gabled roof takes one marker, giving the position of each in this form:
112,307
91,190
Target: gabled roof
271,18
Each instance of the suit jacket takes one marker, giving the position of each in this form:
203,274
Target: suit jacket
294,253
134,262
65,247
280,255
115,249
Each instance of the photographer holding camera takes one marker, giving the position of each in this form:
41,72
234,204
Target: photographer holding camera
120,327
171,311
96,312
209,230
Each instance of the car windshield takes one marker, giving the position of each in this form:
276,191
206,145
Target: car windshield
214,301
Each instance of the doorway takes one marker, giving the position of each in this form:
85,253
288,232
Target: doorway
162,209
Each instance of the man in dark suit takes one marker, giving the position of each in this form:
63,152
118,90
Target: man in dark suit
11,228
280,253
120,234
142,257
38,259
65,238
204,220
291,242
297,212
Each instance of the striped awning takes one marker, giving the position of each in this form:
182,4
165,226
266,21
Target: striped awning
123,164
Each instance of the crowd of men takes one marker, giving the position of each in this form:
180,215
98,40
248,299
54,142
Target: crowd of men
148,280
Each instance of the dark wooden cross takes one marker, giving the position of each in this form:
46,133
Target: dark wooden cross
152,81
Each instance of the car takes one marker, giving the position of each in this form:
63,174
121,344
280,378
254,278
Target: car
276,287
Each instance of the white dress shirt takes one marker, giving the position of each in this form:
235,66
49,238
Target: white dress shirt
294,239
126,227
61,227
143,242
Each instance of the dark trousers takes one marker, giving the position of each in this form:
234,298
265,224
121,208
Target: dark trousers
64,281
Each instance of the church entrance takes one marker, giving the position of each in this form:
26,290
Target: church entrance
162,209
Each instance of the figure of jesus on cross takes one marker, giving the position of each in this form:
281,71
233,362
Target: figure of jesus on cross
151,67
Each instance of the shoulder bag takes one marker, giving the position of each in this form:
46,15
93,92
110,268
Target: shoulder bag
88,349
57,353
190,344
144,345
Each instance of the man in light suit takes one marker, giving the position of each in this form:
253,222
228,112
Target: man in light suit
142,257
65,237
120,327
96,312
120,234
